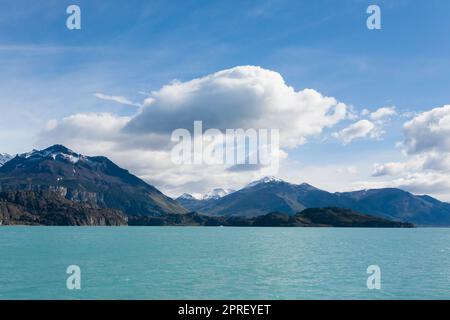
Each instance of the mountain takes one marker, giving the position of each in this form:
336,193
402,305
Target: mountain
190,202
343,218
269,179
50,208
217,193
194,203
269,195
398,204
4,157
274,195
70,188
313,217
94,180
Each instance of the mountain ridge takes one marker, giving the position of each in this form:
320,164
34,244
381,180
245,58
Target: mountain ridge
96,180
100,183
276,195
4,157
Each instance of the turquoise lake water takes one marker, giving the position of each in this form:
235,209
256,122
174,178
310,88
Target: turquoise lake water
223,263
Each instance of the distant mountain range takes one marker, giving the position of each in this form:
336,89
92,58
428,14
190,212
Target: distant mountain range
274,195
57,186
196,202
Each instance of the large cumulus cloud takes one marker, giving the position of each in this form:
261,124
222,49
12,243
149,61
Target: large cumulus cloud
242,97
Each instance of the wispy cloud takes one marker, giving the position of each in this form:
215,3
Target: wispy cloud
262,9
47,48
117,99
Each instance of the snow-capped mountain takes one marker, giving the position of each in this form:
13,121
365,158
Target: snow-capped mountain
194,202
187,196
217,193
76,177
269,179
4,157
55,152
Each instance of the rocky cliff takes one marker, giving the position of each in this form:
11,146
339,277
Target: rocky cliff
50,208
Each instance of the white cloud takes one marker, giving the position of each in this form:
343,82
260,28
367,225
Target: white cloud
382,113
437,162
424,162
426,145
89,126
117,99
366,128
357,130
242,97
388,169
425,182
398,168
94,131
429,131
426,142
430,183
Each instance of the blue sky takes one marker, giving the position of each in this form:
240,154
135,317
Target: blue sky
132,48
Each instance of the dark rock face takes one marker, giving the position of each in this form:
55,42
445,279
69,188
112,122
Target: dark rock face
93,180
49,208
318,217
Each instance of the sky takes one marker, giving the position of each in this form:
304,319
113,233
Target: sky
357,108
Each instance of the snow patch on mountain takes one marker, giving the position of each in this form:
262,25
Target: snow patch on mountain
4,157
212,195
55,152
264,180
217,193
187,196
